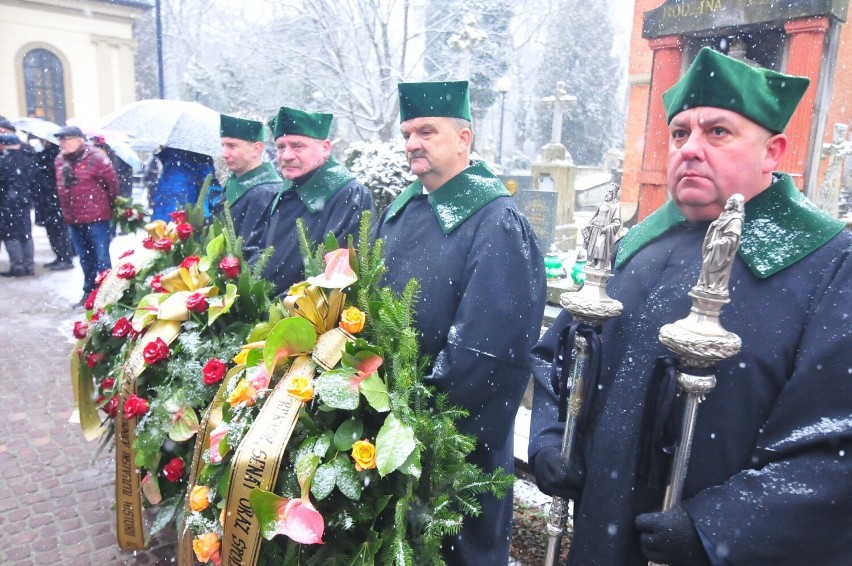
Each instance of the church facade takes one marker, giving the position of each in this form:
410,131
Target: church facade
62,59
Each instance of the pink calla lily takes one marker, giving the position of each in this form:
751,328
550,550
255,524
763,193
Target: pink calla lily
338,273
299,520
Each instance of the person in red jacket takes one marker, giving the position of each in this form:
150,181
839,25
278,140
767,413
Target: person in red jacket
87,186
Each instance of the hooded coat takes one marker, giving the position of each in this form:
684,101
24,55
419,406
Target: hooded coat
482,292
769,480
87,186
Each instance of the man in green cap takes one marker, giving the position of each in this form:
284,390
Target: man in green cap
770,478
253,183
482,290
317,189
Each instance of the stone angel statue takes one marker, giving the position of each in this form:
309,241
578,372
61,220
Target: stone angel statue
720,247
599,236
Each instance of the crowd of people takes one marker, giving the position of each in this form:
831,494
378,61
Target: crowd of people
770,479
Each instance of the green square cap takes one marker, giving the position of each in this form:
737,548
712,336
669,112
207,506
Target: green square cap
241,128
296,122
449,99
763,96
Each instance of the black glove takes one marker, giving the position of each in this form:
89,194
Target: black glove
555,476
670,538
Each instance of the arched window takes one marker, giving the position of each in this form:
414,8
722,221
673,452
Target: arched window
44,86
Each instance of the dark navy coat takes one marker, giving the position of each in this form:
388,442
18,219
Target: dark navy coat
770,475
479,313
323,208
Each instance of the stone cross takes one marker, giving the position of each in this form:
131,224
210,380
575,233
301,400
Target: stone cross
558,98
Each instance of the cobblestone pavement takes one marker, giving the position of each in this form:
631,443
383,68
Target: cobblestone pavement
55,503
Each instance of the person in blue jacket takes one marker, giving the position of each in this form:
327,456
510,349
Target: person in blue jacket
317,189
458,232
182,175
769,480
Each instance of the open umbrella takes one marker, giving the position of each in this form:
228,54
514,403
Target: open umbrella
43,129
172,123
120,144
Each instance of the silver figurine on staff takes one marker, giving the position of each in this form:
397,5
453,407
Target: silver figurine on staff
590,306
699,339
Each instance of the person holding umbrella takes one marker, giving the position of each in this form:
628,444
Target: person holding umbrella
769,480
253,183
87,187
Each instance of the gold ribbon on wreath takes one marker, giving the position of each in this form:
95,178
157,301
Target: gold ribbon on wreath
212,418
129,529
258,457
256,464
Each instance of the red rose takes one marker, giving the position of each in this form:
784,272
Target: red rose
174,469
94,359
101,276
155,351
230,266
90,300
156,286
196,302
190,261
184,230
112,406
148,243
96,316
108,383
126,271
129,213
80,330
163,244
135,406
121,328
179,216
214,371
125,254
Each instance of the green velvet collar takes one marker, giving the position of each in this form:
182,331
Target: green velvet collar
781,227
457,199
329,178
235,187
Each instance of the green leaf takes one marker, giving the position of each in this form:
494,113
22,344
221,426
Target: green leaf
216,246
265,506
376,393
330,242
306,465
323,443
394,444
412,466
348,433
221,305
165,514
260,331
324,480
335,390
348,481
184,427
290,337
224,483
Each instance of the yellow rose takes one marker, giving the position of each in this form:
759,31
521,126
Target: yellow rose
300,387
352,320
199,498
364,454
241,357
243,394
205,546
